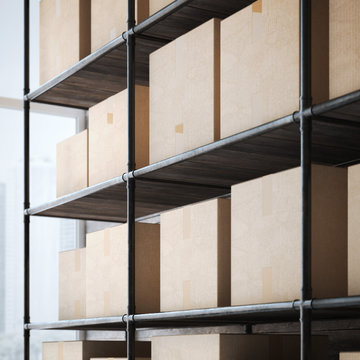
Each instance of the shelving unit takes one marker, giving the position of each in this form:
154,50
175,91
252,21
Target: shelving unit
329,134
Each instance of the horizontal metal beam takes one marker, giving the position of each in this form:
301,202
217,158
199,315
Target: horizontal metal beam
78,323
213,314
264,309
245,135
334,104
74,196
17,104
77,67
158,16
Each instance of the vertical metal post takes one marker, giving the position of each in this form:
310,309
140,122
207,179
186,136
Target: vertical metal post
131,182
306,135
26,105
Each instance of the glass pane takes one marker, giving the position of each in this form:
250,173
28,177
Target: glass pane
47,236
11,42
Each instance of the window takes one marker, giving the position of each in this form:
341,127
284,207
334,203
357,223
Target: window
47,236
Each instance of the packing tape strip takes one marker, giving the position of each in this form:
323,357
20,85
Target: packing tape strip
187,294
106,303
58,8
107,242
267,290
179,129
257,6
77,309
267,191
110,118
186,222
60,354
77,260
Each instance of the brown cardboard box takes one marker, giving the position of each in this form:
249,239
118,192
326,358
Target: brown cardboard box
64,35
85,350
106,274
266,236
354,230
195,256
72,290
234,347
185,92
350,356
108,135
156,5
260,63
109,19
344,47
72,164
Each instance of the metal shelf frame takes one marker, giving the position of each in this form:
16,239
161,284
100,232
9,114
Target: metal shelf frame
26,104
344,307
190,177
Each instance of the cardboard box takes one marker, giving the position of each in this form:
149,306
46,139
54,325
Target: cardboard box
260,62
350,356
72,289
109,19
185,92
354,230
64,35
266,236
106,274
108,139
85,350
156,5
72,164
234,347
195,256
344,47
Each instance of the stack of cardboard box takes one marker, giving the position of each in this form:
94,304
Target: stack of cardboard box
86,350
93,280
222,78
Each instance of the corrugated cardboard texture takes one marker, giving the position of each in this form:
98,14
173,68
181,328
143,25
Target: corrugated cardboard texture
260,63
109,19
185,92
106,275
64,35
234,347
344,47
108,135
354,230
72,164
350,356
85,350
266,233
72,289
156,5
195,256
